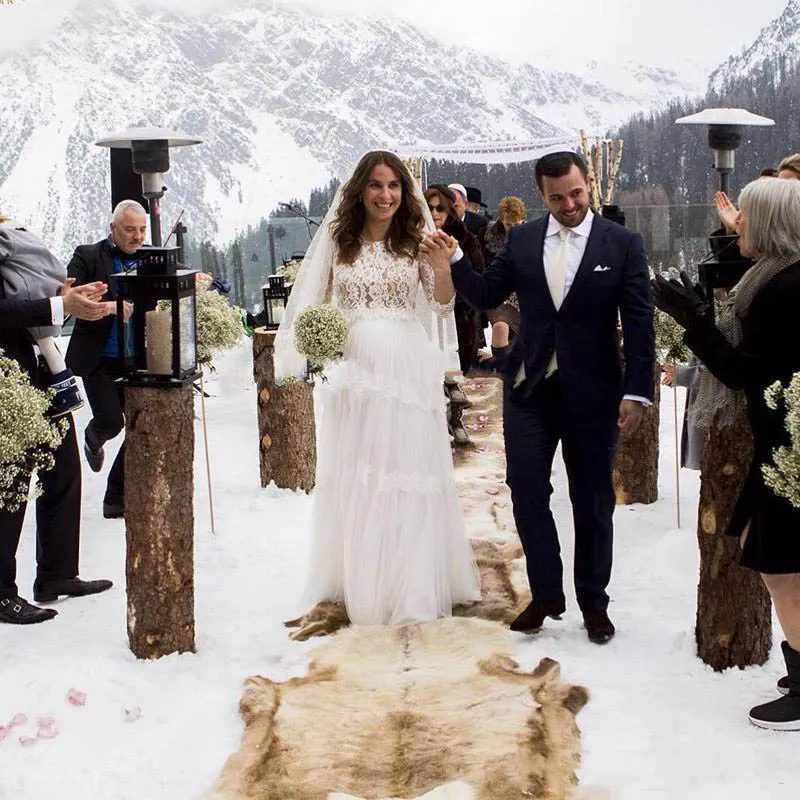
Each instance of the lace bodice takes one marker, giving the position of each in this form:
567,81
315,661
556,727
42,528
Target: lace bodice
381,284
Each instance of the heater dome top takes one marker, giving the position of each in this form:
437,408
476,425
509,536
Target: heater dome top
724,116
125,138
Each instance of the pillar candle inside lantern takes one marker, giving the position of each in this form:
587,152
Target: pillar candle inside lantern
277,311
158,342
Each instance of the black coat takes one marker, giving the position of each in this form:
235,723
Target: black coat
90,262
769,352
15,317
475,222
612,279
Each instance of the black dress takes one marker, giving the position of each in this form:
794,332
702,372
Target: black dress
769,352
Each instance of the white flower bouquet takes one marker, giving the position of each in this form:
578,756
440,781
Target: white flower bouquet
669,339
320,333
28,436
783,476
289,270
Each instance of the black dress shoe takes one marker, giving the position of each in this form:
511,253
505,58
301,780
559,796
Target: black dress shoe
532,618
113,510
17,611
48,591
94,456
599,627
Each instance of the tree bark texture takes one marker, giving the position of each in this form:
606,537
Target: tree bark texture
734,620
159,518
286,431
635,470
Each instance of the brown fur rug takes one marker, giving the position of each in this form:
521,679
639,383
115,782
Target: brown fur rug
480,472
397,712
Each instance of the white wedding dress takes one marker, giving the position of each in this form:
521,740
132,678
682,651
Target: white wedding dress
389,538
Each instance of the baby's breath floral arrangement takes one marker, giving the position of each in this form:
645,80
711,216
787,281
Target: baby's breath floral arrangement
219,324
28,436
320,333
783,476
669,339
289,269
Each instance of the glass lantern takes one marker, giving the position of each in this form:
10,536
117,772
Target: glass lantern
164,324
276,296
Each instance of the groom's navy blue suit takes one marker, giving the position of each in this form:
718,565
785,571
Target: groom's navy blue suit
579,404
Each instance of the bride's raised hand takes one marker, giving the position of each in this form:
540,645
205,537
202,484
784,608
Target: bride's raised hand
438,249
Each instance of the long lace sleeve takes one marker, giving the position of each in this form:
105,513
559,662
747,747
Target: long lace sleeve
428,280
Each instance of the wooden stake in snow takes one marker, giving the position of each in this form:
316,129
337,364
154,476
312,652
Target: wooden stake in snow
208,456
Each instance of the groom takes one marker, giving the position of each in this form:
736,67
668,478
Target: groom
575,275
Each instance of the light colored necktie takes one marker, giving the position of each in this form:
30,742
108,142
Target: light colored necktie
556,277
558,269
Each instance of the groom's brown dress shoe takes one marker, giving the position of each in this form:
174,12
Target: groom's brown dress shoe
48,591
532,618
599,627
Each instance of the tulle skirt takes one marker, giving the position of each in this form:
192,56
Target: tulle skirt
389,537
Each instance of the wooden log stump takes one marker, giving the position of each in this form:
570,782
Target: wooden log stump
734,621
286,432
159,520
635,469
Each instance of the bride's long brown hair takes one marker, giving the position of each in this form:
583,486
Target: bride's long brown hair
405,229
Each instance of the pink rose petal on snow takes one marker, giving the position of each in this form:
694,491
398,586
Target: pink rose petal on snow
492,490
48,732
27,741
76,697
19,719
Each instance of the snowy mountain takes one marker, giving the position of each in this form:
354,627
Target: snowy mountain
282,98
778,44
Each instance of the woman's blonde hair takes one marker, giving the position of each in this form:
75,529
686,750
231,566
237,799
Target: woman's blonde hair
772,212
792,163
511,207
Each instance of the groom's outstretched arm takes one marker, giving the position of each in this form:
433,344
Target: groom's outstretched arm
486,290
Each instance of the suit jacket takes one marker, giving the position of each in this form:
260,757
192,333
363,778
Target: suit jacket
90,262
768,352
16,316
612,280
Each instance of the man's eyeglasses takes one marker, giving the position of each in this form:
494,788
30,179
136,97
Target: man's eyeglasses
439,209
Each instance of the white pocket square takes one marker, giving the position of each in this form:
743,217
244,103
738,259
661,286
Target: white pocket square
598,268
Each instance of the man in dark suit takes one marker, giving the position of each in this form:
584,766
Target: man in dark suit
58,508
475,222
474,215
93,349
575,274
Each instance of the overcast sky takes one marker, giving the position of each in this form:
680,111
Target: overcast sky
656,32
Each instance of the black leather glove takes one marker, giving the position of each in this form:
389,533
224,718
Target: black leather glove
684,301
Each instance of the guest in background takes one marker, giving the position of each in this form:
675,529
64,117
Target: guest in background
442,205
474,222
789,168
475,216
505,318
93,351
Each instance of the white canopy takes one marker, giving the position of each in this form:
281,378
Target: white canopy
507,152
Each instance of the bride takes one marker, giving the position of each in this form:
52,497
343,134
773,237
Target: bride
388,536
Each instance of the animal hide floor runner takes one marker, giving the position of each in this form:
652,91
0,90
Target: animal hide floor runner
397,712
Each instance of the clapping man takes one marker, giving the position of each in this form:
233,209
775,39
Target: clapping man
58,508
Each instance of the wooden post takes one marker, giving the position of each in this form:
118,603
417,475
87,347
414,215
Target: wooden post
635,470
159,520
286,432
734,622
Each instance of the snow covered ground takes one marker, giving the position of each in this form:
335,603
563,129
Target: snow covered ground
660,724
